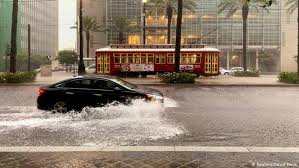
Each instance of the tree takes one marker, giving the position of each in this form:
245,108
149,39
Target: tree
13,42
36,61
67,57
121,25
292,6
233,6
170,6
81,66
89,25
178,36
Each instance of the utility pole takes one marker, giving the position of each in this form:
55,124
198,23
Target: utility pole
81,67
144,22
29,47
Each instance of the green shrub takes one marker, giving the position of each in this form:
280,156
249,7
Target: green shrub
182,77
247,74
2,80
18,77
289,77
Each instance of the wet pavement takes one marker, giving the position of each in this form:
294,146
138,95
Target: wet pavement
192,116
146,160
201,116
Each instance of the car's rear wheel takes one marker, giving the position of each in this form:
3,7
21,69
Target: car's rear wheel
60,107
226,73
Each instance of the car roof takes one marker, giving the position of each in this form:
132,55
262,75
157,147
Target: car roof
95,76
89,76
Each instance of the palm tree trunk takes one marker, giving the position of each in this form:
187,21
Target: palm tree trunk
13,43
245,10
81,67
178,36
87,45
169,12
121,37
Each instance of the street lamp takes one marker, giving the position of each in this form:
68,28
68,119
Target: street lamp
81,67
144,23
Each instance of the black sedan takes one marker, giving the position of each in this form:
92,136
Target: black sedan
91,91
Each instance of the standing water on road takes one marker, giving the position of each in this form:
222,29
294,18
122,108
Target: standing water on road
111,125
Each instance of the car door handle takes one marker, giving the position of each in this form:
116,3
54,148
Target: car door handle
99,95
69,93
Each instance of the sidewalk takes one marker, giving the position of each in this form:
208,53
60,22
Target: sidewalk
264,80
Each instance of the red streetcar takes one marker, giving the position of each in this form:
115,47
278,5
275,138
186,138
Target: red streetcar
133,60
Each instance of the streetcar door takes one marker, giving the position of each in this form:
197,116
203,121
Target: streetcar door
211,63
208,61
104,64
215,64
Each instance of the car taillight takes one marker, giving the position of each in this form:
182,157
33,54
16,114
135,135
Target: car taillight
41,91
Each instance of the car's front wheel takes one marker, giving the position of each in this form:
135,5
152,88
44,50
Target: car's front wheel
60,107
226,73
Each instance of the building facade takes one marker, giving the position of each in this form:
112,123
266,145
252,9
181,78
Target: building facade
43,19
268,35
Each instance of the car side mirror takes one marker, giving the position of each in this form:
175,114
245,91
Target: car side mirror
117,89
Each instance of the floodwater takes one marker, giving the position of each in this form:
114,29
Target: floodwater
111,125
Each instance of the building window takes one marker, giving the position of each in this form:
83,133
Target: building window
134,39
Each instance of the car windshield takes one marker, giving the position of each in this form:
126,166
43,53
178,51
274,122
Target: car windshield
124,83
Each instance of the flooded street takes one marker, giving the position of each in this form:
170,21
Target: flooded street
111,125
191,115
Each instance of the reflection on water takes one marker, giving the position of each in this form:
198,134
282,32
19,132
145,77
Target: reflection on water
110,125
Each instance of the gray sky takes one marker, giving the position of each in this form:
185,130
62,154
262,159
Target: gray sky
67,18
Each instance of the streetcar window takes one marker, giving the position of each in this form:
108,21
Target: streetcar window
150,58
170,58
137,58
198,59
117,59
130,59
124,59
143,59
184,59
160,59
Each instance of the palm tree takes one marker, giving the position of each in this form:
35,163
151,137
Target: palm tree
178,36
89,25
121,25
13,43
233,6
170,6
292,6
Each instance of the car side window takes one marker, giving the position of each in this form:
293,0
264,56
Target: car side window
85,83
107,85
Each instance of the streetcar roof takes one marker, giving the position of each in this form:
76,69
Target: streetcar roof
109,49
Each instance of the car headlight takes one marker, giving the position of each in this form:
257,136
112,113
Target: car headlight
152,97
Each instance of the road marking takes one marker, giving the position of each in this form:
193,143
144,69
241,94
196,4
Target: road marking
222,149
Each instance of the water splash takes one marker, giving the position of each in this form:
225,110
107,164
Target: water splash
110,125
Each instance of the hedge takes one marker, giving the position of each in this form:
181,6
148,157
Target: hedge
18,77
173,77
289,77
